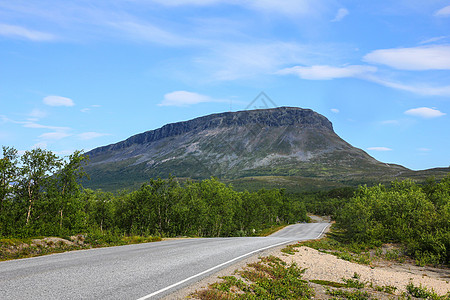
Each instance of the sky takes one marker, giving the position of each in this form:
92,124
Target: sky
79,74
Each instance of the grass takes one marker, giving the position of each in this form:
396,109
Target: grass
364,254
351,295
350,252
272,278
15,248
423,293
269,278
328,283
270,230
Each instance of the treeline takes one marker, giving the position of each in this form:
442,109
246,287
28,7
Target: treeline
325,203
417,216
40,194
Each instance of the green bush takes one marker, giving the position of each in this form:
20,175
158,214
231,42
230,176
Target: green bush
416,216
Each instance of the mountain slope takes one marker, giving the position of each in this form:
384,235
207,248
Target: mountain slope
285,141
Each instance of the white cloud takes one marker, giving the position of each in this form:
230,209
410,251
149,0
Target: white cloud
443,12
231,61
420,89
187,2
88,109
143,31
335,110
91,135
37,113
286,7
324,72
54,135
58,101
379,149
424,149
40,126
435,57
184,98
425,112
24,33
42,145
434,39
390,122
341,13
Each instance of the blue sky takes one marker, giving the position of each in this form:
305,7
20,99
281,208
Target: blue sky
81,74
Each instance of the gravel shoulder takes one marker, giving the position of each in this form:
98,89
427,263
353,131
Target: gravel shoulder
322,266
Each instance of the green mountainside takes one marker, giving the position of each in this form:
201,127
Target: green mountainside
286,147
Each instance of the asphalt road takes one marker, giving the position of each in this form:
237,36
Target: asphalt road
142,271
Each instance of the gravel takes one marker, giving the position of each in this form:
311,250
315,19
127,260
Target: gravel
324,266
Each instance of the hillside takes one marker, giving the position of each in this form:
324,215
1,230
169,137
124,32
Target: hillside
268,145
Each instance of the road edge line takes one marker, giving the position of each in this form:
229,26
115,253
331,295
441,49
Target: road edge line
210,269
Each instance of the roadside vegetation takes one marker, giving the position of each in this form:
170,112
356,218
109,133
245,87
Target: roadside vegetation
272,278
415,216
41,196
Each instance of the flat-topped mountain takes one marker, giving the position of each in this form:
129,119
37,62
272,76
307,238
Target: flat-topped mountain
285,141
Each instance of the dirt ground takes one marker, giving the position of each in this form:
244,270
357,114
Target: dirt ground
322,266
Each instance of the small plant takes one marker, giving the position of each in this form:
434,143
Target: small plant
352,295
269,278
353,283
290,249
328,283
386,289
423,292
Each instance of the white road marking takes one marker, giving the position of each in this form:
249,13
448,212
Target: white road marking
321,232
209,270
218,266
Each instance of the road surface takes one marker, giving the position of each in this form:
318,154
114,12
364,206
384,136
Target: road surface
141,271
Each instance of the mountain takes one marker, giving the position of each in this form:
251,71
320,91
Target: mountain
246,146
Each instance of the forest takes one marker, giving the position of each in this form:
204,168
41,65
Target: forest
41,195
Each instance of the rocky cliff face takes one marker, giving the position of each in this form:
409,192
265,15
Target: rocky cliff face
283,141
277,117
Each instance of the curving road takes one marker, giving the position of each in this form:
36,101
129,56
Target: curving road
142,271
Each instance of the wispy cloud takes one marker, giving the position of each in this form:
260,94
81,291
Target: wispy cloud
143,31
419,88
324,72
443,12
58,101
379,149
54,135
390,122
24,33
185,98
91,135
335,110
434,39
88,109
341,14
37,113
187,2
425,112
364,72
285,7
40,126
435,57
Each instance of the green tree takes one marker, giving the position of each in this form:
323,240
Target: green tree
37,166
67,181
8,173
